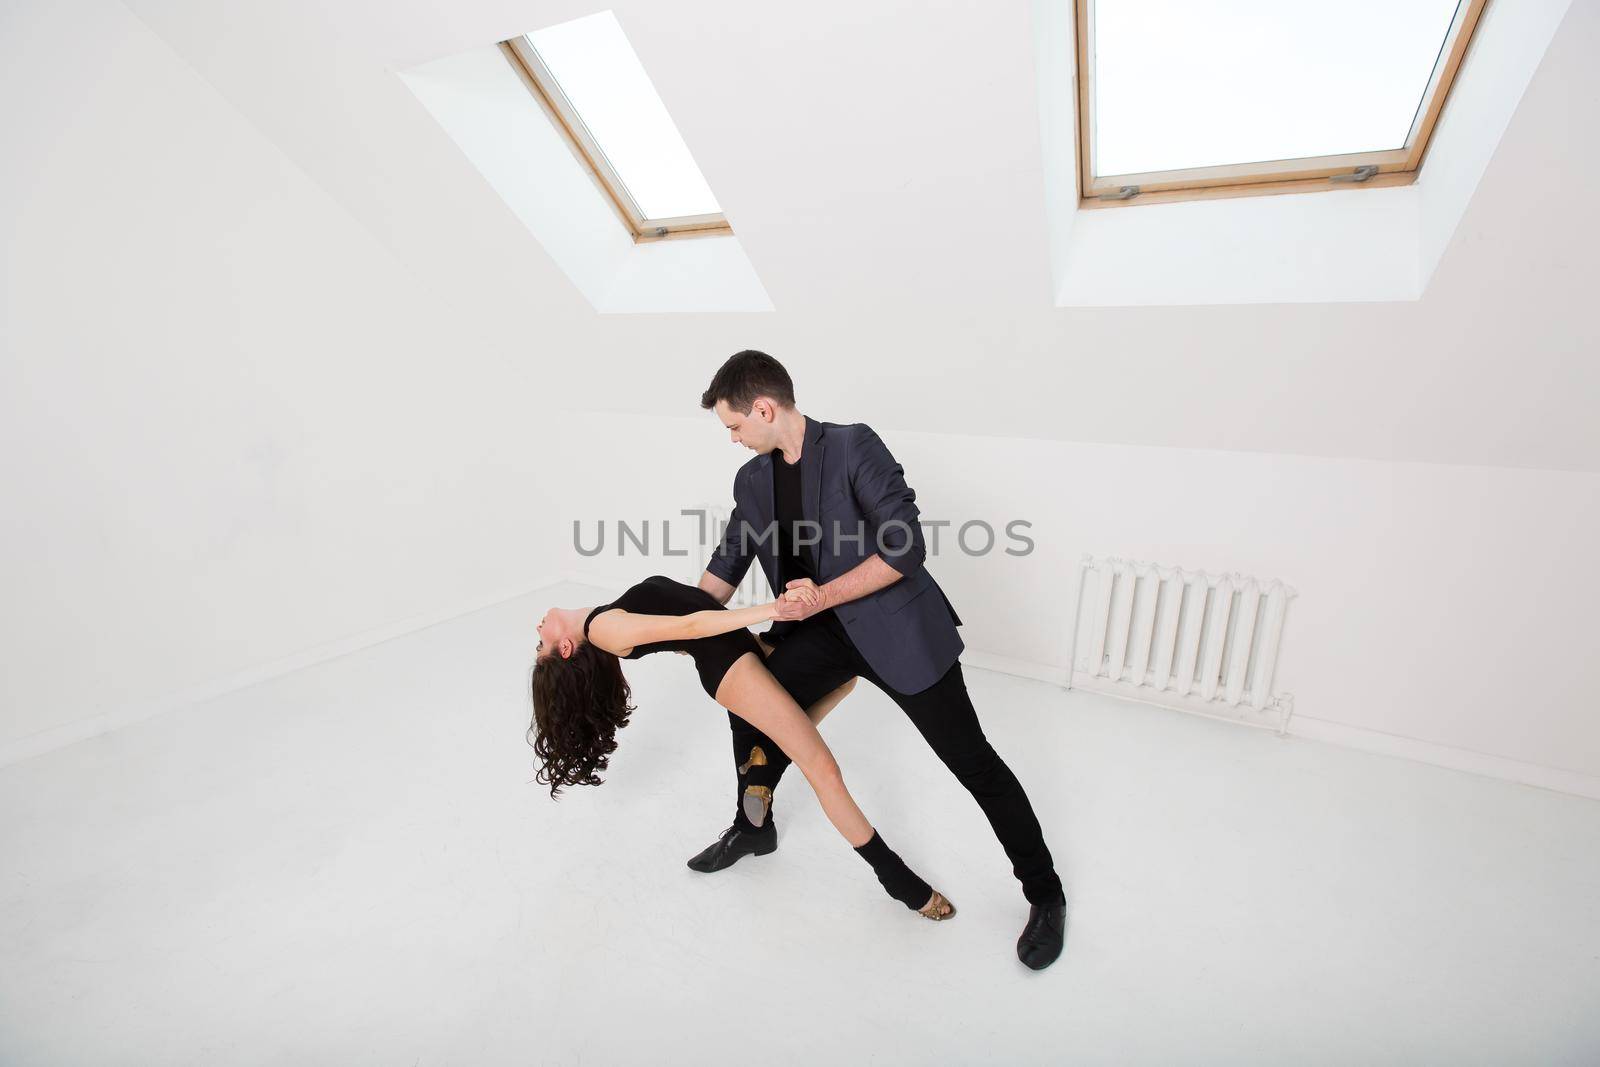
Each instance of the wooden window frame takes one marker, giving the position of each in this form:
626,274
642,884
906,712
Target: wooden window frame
545,89
1356,170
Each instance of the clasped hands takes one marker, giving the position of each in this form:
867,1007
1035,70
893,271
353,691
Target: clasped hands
801,599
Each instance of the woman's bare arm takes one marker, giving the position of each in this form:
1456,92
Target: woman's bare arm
618,630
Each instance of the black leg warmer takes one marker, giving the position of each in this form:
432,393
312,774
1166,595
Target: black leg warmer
897,879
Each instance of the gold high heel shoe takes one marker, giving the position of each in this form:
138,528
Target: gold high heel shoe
758,758
938,908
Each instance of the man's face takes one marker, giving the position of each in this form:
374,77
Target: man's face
756,430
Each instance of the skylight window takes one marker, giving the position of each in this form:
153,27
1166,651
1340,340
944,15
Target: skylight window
1186,100
589,80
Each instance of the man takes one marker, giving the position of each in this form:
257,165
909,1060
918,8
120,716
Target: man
826,510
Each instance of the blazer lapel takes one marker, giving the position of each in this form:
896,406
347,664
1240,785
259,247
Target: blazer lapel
811,481
761,491
762,517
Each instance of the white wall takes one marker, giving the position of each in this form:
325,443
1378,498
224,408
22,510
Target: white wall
233,428
1506,49
1340,246
1449,605
236,426
896,216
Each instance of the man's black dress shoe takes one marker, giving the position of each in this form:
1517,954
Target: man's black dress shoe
1041,939
733,845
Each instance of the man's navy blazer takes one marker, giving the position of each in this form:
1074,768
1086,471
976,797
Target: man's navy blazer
856,494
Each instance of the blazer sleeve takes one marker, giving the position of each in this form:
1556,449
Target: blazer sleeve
889,504
731,558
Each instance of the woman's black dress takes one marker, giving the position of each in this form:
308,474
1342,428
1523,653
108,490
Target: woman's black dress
659,595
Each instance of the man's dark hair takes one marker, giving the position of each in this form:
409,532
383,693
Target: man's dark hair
744,377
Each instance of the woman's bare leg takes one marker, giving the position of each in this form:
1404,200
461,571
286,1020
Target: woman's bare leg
751,692
756,800
819,711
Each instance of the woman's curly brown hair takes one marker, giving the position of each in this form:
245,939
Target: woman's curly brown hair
579,704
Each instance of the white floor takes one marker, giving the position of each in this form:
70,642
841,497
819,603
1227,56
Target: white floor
350,865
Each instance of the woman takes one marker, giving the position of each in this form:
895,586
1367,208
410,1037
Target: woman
580,700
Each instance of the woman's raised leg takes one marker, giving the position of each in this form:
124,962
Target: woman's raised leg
819,711
751,692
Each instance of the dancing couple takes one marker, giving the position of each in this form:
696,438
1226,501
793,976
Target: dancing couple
826,510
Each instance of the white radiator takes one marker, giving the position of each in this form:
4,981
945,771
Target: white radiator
753,588
1206,643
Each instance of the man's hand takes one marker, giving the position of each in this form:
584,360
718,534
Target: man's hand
802,598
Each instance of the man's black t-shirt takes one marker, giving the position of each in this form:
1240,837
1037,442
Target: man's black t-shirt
793,562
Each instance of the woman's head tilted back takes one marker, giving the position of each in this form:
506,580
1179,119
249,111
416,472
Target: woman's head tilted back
580,701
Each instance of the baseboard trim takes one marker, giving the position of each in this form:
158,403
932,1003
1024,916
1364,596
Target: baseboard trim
48,740
1021,668
600,582
1460,759
1360,738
